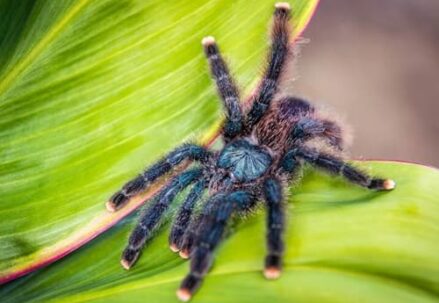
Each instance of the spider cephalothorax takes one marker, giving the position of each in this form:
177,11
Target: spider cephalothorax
264,147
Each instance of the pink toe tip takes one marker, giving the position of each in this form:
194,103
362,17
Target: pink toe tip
174,247
209,40
184,294
110,206
389,184
184,254
282,5
125,264
272,273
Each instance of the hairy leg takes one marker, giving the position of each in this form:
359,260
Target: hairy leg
150,219
308,128
278,55
273,194
181,222
142,181
335,165
211,229
226,88
193,229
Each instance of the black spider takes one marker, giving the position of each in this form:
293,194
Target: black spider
264,147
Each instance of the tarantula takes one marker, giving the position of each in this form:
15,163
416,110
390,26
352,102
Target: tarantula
264,147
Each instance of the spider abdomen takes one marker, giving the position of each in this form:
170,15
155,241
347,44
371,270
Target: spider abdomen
274,129
244,161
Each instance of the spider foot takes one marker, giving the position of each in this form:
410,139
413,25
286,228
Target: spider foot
116,201
272,273
283,5
382,184
176,235
183,294
129,257
389,184
189,285
184,253
174,247
209,40
110,207
182,249
187,246
272,269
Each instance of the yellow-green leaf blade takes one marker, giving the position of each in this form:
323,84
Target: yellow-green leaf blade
344,244
93,91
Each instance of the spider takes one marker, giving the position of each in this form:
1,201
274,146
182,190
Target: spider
264,148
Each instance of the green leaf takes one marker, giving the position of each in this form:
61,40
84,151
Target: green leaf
93,91
344,244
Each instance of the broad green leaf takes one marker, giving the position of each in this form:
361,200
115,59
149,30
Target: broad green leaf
91,92
344,244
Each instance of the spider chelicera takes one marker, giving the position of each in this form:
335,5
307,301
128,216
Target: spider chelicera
264,147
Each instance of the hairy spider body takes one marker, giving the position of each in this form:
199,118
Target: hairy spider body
264,147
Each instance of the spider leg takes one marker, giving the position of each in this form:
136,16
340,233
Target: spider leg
188,239
278,55
337,166
273,193
150,219
306,125
142,181
191,233
226,88
184,215
210,232
308,128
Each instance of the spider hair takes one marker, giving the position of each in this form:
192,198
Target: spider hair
265,146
